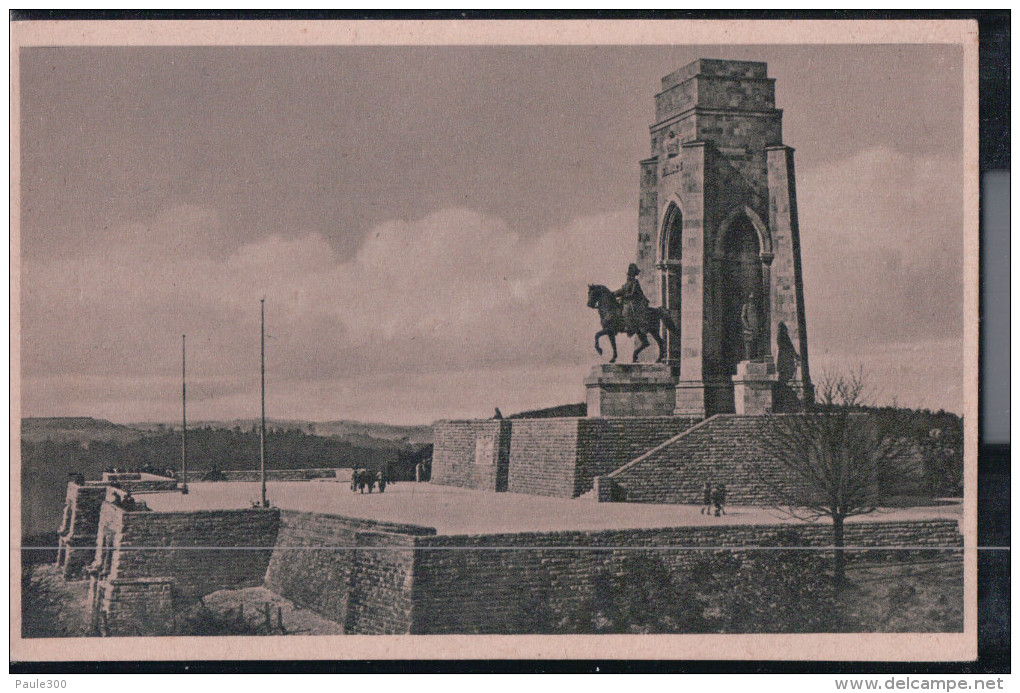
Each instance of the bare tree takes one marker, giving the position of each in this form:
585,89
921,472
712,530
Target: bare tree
851,389
837,462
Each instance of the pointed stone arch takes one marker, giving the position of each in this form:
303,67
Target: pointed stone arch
670,255
760,228
671,233
741,220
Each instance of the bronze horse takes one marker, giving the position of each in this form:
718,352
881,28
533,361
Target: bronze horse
611,314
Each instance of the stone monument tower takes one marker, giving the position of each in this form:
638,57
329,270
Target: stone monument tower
719,246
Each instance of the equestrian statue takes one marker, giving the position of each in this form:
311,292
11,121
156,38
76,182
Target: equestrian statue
627,310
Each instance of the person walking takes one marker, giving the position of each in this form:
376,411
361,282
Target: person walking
719,499
706,500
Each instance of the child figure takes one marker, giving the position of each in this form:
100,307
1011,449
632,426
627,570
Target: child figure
719,499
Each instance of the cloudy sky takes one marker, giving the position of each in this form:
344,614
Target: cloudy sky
423,221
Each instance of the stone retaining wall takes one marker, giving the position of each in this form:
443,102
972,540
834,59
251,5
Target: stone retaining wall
471,454
197,552
388,578
535,582
605,445
352,571
132,607
543,456
547,457
79,528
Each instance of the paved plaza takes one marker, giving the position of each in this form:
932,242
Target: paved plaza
454,510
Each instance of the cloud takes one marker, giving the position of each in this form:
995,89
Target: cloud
882,247
437,315
453,291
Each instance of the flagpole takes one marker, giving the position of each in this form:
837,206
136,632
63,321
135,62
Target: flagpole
262,435
184,416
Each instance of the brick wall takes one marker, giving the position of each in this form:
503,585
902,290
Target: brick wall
149,485
543,456
387,578
471,454
561,457
139,482
505,586
142,606
354,572
381,582
605,445
722,449
199,552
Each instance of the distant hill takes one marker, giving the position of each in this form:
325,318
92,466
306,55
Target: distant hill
365,433
53,448
416,435
76,429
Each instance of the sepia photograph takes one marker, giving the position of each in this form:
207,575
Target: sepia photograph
607,339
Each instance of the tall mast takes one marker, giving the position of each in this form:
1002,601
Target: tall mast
262,435
184,416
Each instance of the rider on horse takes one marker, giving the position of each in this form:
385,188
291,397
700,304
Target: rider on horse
635,303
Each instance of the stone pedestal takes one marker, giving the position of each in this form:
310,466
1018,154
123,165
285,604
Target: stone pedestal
638,389
704,397
752,387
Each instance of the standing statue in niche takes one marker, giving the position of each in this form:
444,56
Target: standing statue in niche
750,322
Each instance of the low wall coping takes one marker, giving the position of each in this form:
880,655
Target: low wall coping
596,534
205,511
370,525
165,580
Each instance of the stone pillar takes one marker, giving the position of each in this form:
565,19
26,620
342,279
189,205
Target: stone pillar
752,387
765,341
648,225
787,279
690,390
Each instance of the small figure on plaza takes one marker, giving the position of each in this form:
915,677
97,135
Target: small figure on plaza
706,499
719,499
